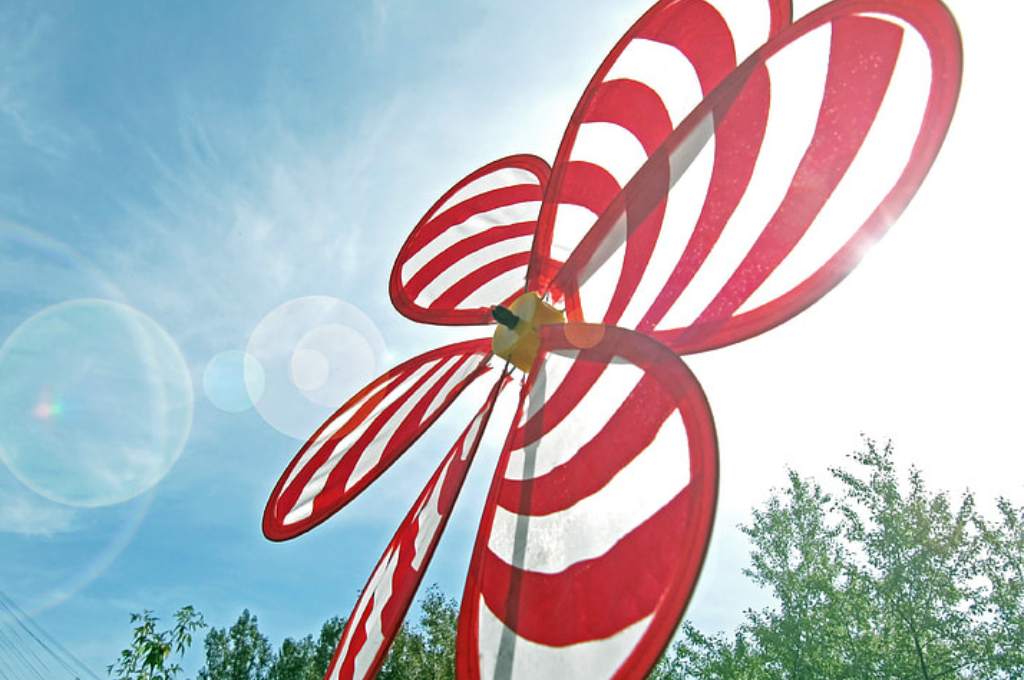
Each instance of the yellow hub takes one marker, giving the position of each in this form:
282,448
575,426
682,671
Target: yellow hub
519,343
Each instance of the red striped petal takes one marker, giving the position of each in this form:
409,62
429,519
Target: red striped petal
366,435
383,603
661,69
471,250
599,515
771,191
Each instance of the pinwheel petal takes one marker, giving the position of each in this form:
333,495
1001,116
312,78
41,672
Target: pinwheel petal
383,603
654,76
599,515
366,435
832,127
471,250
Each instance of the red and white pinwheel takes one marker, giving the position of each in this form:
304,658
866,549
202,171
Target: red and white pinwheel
724,169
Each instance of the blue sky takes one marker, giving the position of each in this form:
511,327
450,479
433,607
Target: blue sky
204,164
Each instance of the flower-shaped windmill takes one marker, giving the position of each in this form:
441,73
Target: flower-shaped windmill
723,170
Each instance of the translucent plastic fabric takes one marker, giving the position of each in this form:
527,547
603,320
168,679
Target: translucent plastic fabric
367,434
771,190
724,169
471,250
383,603
599,514
659,71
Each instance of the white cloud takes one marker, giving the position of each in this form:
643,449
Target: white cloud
26,65
22,512
224,242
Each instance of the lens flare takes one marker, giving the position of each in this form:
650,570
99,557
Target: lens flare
47,407
233,380
315,352
43,532
132,398
37,272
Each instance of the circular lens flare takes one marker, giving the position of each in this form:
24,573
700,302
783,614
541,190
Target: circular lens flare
47,407
316,352
233,380
131,396
309,369
60,549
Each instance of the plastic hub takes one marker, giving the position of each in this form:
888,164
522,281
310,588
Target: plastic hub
517,337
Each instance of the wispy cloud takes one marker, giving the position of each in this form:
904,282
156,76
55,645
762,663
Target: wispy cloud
26,56
24,513
247,219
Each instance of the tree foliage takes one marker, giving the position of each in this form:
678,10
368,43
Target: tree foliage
884,580
308,657
238,653
1004,570
425,651
149,655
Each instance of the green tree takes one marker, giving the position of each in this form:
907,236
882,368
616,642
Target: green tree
920,569
438,625
307,658
294,660
884,580
1004,569
148,656
425,651
238,653
323,648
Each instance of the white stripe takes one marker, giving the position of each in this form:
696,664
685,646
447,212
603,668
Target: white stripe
686,200
610,245
375,621
572,222
561,444
496,290
370,457
682,156
471,363
470,263
592,526
609,146
471,435
873,173
664,69
429,516
600,276
529,660
749,22
499,179
384,573
336,423
514,213
550,375
891,18
304,505
798,74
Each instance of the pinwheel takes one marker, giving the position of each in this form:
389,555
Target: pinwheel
724,169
